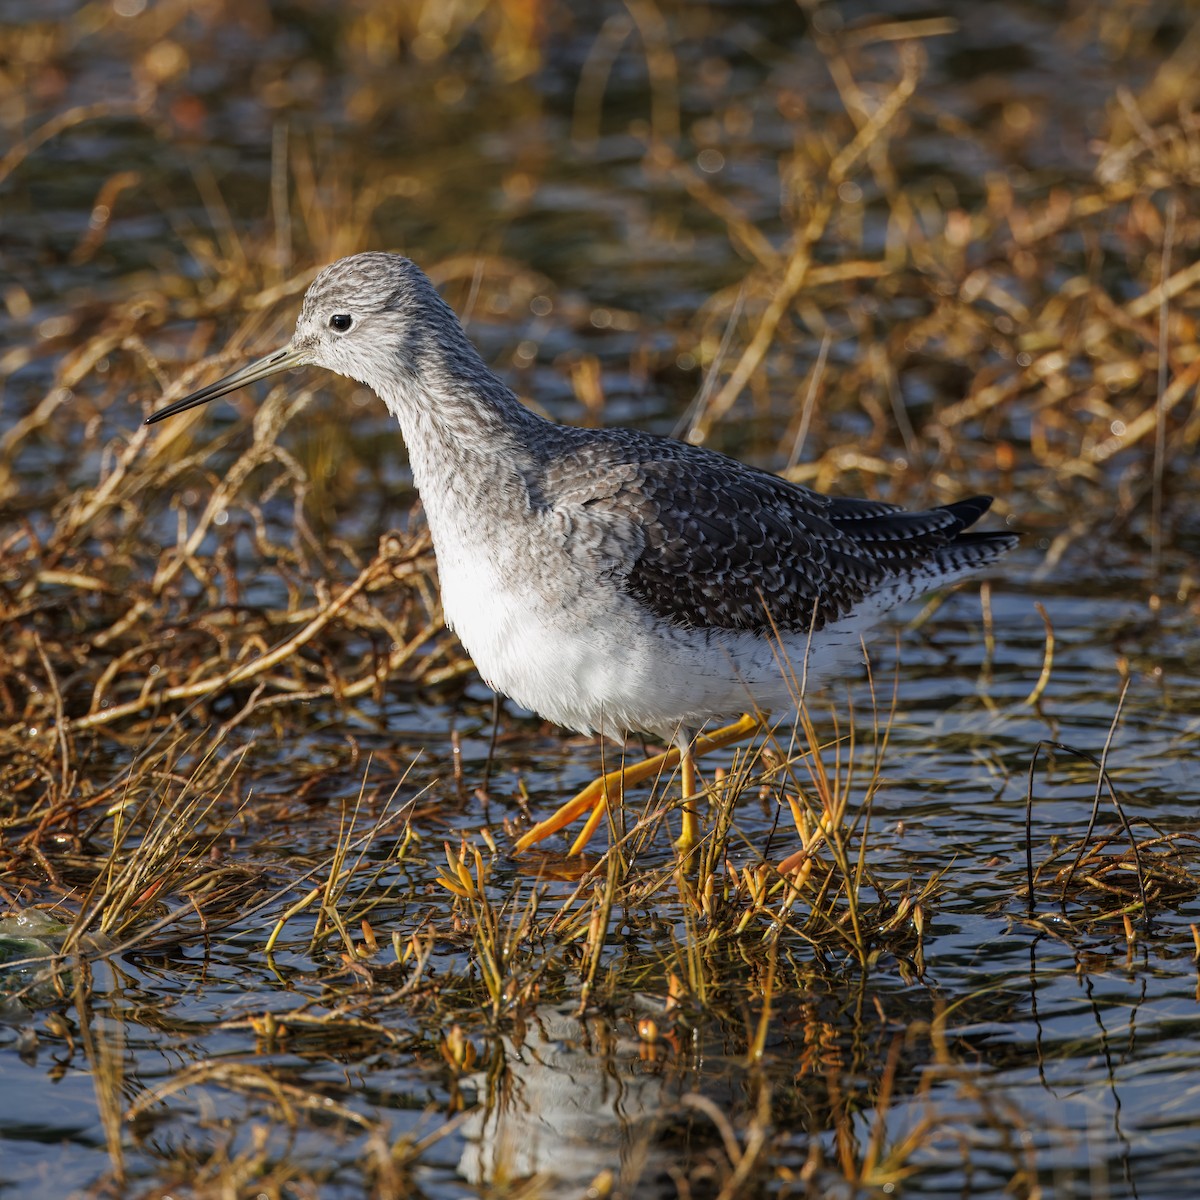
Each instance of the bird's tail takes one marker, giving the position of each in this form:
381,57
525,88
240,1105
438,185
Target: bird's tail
964,553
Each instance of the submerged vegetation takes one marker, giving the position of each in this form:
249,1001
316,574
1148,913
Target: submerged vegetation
256,814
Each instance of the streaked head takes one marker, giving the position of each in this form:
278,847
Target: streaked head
363,317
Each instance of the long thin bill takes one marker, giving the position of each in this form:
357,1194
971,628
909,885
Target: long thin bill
281,360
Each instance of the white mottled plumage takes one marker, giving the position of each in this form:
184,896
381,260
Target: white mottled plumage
607,579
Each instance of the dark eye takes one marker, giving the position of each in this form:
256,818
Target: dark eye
340,322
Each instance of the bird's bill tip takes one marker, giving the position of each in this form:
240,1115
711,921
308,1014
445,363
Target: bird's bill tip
263,368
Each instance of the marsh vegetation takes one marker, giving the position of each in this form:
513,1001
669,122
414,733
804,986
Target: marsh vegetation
263,932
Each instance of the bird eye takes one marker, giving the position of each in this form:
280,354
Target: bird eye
340,322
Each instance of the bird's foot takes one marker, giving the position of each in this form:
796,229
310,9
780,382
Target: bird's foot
596,796
600,792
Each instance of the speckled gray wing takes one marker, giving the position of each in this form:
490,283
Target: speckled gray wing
713,544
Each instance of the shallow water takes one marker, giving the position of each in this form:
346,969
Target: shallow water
1056,1052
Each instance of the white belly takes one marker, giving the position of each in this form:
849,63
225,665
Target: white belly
560,657
589,658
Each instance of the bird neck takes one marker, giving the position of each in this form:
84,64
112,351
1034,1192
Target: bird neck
470,440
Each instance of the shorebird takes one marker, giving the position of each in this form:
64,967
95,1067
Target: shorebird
608,579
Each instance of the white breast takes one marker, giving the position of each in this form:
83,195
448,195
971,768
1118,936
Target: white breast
544,651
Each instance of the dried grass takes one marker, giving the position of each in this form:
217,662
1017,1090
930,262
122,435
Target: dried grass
171,600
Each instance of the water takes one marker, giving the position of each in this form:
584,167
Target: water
996,1052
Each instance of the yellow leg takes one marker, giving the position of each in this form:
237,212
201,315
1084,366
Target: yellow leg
689,835
590,825
597,795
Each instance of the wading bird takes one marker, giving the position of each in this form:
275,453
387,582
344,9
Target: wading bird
607,579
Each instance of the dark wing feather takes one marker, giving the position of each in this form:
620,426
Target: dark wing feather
719,545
